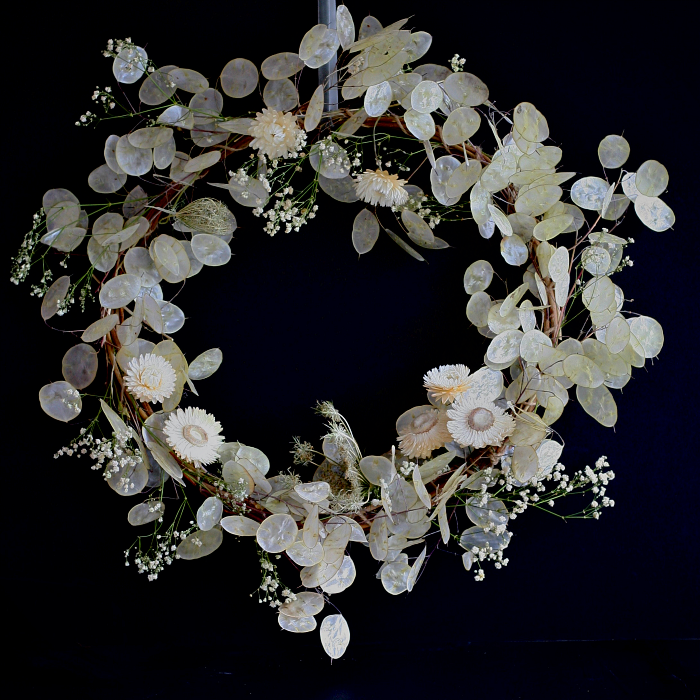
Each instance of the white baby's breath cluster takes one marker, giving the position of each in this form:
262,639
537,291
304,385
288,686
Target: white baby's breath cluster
271,590
457,63
288,211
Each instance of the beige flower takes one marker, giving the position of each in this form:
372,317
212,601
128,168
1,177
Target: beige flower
478,423
378,187
277,134
150,378
422,430
447,382
194,435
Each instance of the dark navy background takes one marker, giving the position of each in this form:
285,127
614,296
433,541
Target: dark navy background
300,319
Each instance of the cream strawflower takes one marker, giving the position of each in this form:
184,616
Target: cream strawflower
422,430
276,134
194,435
150,378
378,187
478,423
447,382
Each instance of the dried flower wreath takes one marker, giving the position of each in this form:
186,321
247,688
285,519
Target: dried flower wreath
482,442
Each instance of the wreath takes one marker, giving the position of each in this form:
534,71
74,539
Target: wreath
481,443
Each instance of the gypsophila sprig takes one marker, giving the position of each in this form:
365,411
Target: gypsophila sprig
406,155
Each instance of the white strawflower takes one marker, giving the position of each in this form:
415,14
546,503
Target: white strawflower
277,134
378,187
422,430
194,435
478,423
447,382
150,378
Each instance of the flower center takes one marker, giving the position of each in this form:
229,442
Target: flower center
277,133
195,435
151,378
425,422
480,419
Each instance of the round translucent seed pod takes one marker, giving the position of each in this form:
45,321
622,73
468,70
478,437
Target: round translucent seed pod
376,468
343,579
239,77
306,604
209,513
173,317
99,328
120,291
536,200
205,365
133,160
200,544
146,512
79,365
378,98
341,189
296,624
613,151
188,80
462,178
646,336
478,276
281,95
395,577
651,179
422,126
589,193
581,370
654,213
514,250
365,231
138,262
60,400
314,111
598,403
426,97
210,250
461,125
54,296
499,323
158,87
281,65
130,64
240,525
505,348
478,308
418,230
335,635
465,88
277,533
105,180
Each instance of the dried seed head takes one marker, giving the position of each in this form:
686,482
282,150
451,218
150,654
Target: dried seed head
206,216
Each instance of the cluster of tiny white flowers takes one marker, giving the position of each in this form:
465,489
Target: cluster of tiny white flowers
406,467
332,154
78,446
162,552
105,97
457,63
287,211
114,46
232,494
86,118
22,262
116,456
65,304
271,590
